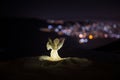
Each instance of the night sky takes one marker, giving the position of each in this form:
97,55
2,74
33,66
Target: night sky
62,9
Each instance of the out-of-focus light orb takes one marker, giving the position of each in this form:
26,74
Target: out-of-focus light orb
117,36
66,32
90,36
81,36
50,26
105,35
60,26
85,40
56,30
81,40
105,29
114,26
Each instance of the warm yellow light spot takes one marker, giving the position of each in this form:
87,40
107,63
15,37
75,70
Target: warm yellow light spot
90,36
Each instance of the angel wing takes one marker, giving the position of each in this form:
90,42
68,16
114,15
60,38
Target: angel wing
50,41
61,43
49,44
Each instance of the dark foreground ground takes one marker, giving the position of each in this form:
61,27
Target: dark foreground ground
30,68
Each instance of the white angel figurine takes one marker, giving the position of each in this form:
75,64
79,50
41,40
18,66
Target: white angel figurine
55,45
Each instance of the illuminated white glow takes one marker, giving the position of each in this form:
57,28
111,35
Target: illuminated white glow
54,46
54,55
48,58
81,35
81,41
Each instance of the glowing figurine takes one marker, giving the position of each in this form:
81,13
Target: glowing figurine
55,45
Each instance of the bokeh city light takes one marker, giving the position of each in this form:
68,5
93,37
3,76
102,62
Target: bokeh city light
84,30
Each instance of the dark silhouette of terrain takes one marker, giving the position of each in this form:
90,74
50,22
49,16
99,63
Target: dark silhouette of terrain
113,46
